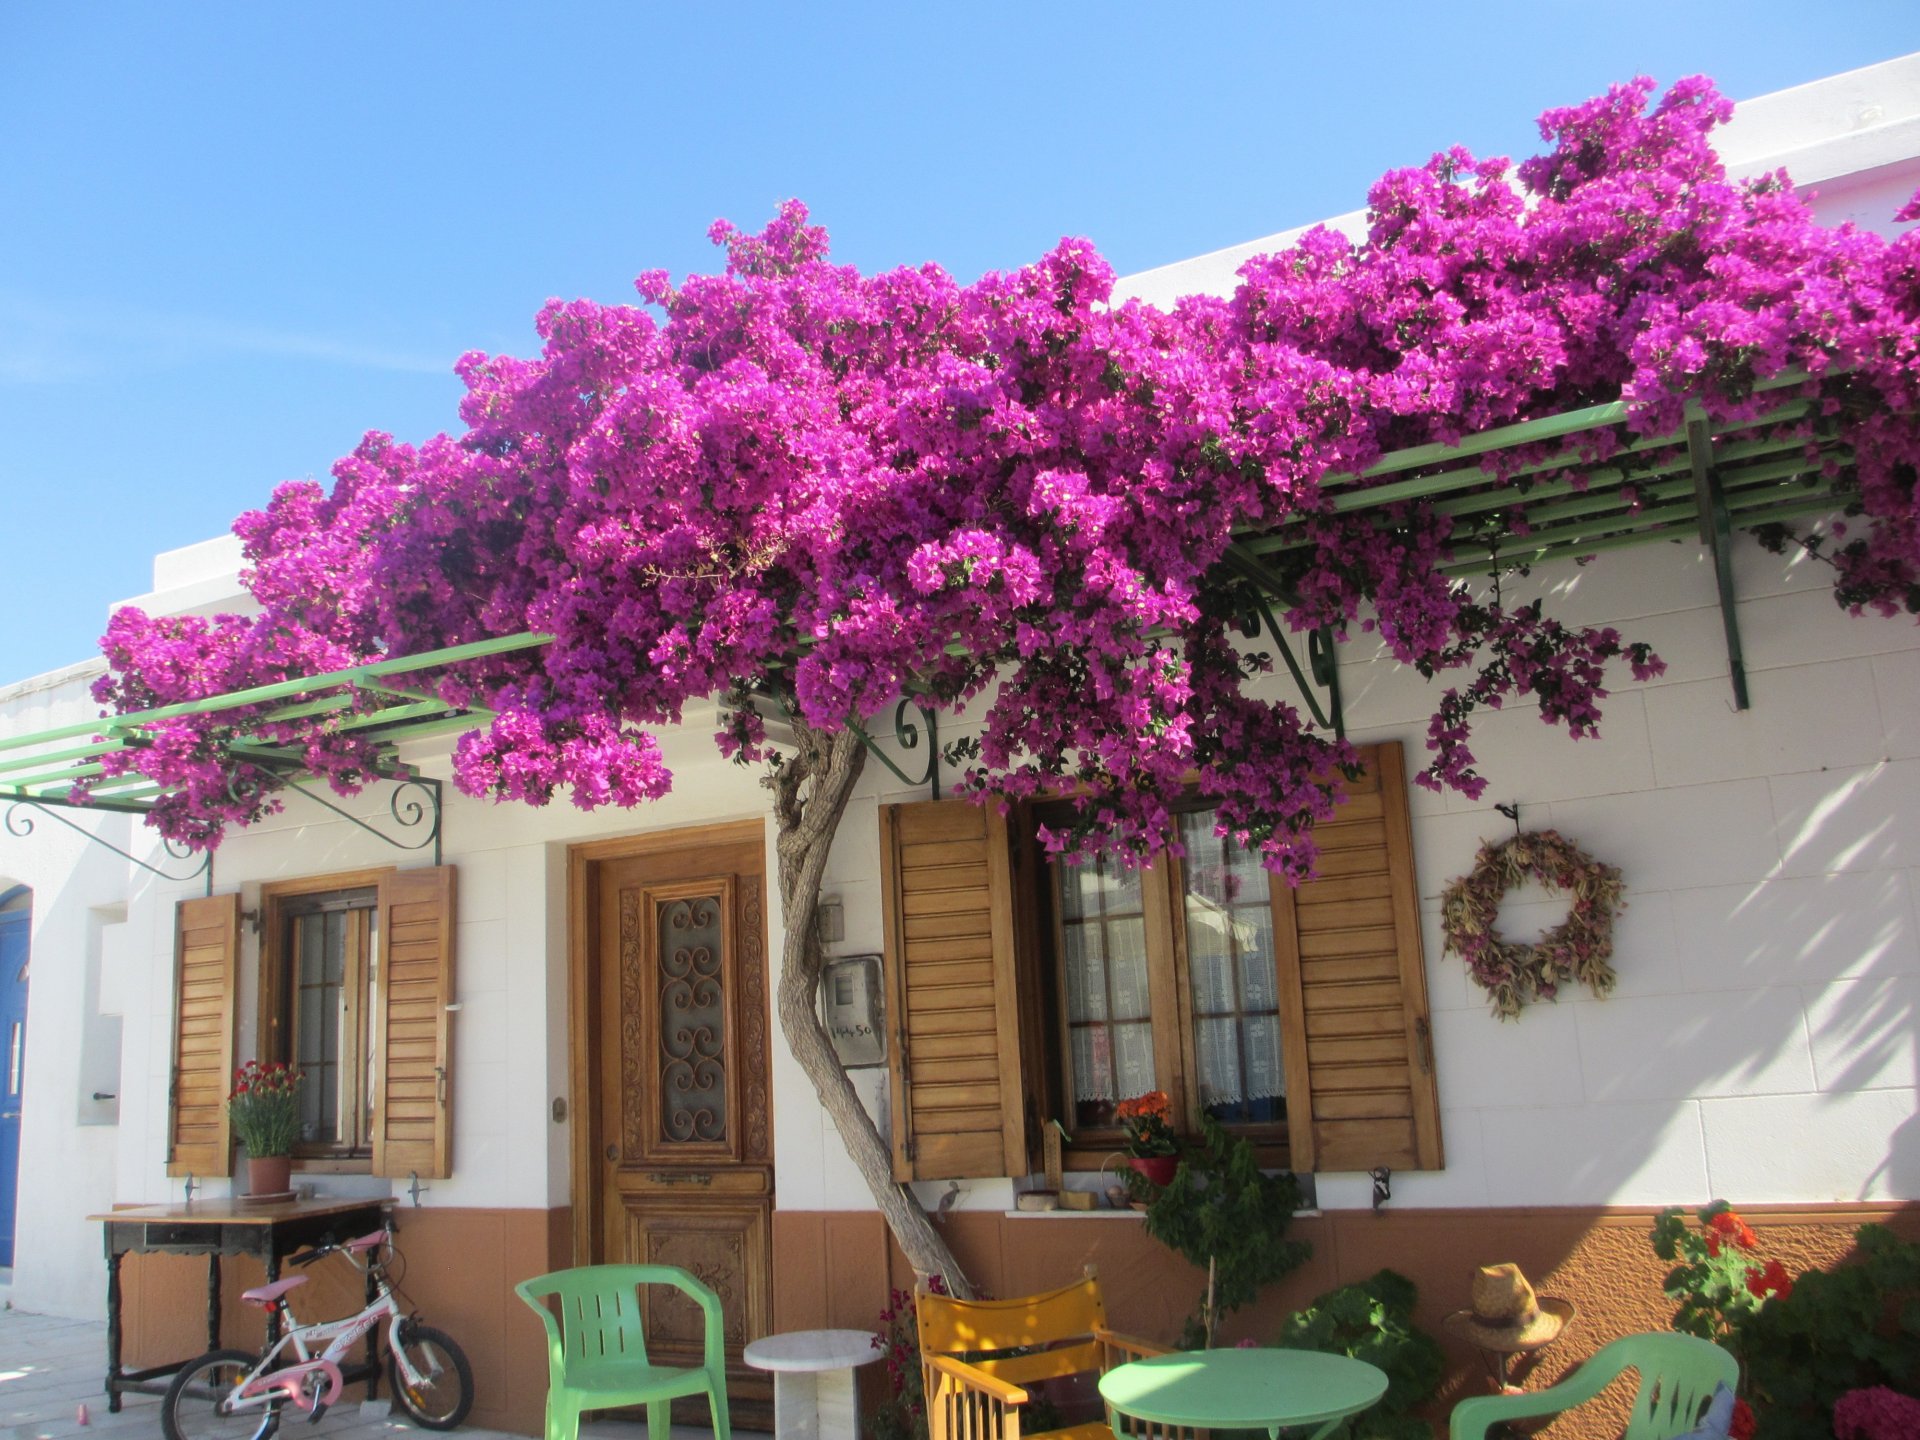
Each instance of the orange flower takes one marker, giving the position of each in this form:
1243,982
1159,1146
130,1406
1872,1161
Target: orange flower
1153,1105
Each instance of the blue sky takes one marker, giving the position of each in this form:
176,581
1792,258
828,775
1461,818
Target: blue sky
235,237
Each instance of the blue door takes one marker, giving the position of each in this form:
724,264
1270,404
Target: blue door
13,1057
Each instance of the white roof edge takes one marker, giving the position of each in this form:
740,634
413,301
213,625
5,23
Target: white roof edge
1842,124
52,679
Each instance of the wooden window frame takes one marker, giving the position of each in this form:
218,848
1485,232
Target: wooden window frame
281,901
1170,987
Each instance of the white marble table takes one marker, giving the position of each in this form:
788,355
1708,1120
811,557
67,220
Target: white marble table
813,1391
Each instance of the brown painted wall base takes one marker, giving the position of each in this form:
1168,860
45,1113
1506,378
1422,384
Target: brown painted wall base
834,1268
460,1270
828,1271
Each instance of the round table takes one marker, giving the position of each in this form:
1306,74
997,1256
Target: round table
813,1392
1247,1389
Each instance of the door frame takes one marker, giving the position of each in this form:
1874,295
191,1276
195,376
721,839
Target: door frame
583,979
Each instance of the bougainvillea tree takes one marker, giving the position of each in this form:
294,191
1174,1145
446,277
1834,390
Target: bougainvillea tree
820,490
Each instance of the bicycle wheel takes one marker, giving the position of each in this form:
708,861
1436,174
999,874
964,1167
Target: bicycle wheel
196,1403
445,1392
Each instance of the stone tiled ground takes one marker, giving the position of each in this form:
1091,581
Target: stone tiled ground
49,1368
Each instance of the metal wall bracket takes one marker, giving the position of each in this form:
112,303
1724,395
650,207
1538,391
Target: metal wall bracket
908,734
409,812
1322,671
22,826
1716,534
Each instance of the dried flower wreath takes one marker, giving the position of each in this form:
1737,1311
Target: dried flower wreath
1577,949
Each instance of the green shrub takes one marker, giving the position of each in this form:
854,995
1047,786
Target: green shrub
1220,1209
1837,1330
1373,1321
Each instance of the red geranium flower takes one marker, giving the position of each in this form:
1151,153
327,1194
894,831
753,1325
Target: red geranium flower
1741,1426
1728,1226
1772,1280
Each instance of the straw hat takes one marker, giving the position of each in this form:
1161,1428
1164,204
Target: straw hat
1506,1315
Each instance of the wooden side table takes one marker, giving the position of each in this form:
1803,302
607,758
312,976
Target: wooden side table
813,1391
217,1228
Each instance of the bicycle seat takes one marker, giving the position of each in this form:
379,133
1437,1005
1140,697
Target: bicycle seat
265,1296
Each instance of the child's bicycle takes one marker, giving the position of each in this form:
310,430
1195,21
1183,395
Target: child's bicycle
235,1395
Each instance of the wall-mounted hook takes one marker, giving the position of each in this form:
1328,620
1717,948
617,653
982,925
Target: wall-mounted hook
191,1186
1512,812
415,1189
1382,1185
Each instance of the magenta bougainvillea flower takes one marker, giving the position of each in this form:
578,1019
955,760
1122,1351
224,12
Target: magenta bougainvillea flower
830,488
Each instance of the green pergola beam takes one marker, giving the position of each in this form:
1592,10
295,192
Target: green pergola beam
260,694
1531,432
325,705
1530,552
1446,480
1681,484
54,757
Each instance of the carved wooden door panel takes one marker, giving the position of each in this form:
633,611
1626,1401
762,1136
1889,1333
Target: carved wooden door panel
684,1110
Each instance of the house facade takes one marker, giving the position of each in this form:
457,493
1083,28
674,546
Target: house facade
549,1034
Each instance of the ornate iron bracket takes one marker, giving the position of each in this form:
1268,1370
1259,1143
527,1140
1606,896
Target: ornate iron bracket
1716,534
409,812
908,734
22,826
1323,666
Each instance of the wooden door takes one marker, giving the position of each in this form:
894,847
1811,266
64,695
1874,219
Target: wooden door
683,1139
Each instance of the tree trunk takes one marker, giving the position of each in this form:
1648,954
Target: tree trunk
826,768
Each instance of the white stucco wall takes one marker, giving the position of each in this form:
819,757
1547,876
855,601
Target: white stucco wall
67,1155
1761,1044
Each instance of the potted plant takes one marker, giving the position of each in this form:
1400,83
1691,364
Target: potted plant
1151,1147
265,1110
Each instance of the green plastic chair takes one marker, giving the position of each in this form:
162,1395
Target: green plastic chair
1678,1374
597,1355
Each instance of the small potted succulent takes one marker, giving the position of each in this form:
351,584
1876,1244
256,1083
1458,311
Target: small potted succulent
1152,1149
265,1110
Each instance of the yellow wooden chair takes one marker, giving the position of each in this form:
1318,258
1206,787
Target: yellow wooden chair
1063,1332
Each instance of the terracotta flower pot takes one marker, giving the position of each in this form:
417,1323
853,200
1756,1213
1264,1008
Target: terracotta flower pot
269,1174
1158,1169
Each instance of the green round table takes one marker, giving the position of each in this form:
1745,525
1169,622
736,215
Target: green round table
1271,1390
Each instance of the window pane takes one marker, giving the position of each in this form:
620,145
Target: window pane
1229,931
1086,972
310,940
1108,998
325,954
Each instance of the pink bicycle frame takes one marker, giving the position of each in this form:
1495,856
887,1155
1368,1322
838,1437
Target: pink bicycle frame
291,1382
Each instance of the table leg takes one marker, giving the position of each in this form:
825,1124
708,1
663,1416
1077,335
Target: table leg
213,1302
113,1329
837,1400
796,1406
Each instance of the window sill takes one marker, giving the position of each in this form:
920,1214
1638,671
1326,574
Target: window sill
1101,1214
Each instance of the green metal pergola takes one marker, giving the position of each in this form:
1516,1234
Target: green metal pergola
1699,484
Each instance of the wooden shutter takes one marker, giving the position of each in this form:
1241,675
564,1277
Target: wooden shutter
206,959
413,985
1356,1039
953,1012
